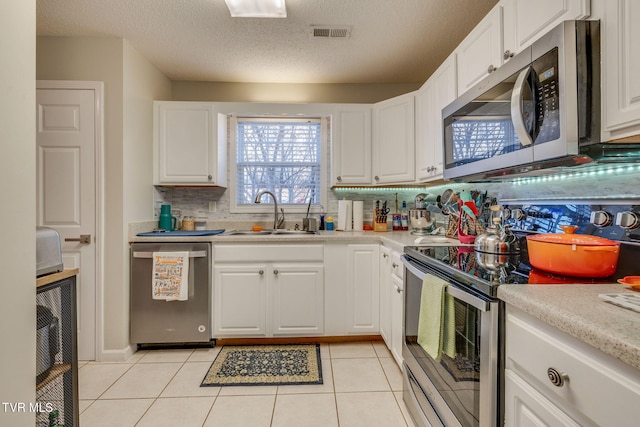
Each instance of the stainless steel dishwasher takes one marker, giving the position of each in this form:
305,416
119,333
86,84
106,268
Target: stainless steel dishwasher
156,321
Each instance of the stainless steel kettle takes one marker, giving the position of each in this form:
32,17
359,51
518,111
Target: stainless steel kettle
497,239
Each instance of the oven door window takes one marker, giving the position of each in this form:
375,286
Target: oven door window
455,376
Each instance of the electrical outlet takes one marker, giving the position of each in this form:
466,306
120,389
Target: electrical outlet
212,206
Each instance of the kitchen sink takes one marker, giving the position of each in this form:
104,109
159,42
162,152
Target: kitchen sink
288,231
247,232
267,232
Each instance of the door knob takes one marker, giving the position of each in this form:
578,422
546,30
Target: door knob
84,239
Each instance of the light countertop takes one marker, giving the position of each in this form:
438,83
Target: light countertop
397,240
578,311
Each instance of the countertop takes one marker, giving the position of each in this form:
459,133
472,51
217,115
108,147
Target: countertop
55,277
578,311
395,239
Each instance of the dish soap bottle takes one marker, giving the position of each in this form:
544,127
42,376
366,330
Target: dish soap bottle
404,216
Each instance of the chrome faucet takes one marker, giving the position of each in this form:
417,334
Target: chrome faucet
277,222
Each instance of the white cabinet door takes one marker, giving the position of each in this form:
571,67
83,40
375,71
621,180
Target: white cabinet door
621,68
397,318
297,302
351,157
526,407
239,300
186,149
525,21
363,289
394,140
385,295
438,92
573,375
480,53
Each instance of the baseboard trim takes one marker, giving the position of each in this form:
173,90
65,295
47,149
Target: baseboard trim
297,340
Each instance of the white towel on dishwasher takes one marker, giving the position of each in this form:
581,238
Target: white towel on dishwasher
170,281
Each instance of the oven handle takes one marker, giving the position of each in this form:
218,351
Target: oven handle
455,292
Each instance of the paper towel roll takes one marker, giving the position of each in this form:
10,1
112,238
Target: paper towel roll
345,215
358,215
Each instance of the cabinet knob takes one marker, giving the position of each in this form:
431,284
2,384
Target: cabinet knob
339,179
261,272
377,178
385,255
398,289
275,272
507,54
394,265
557,378
491,69
210,177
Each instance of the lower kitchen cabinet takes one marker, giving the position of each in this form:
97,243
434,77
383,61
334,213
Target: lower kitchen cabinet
391,301
397,307
552,378
276,290
239,300
385,295
363,289
297,299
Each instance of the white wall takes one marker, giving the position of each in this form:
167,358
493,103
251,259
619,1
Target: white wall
131,84
142,84
17,186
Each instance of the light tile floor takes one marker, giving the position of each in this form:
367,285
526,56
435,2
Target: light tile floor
362,387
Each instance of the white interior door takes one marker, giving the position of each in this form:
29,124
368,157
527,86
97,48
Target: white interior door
66,192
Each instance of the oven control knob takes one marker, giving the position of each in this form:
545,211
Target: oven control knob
518,214
601,218
628,220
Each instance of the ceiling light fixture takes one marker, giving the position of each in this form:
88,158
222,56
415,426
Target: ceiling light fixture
257,8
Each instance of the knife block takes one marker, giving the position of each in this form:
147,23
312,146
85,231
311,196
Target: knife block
379,220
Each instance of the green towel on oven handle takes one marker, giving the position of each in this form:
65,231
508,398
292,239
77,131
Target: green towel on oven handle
436,325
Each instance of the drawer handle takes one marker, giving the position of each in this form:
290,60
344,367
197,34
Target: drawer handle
557,378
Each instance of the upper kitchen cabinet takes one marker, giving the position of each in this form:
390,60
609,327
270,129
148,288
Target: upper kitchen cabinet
351,162
394,140
621,68
480,53
439,91
525,21
189,144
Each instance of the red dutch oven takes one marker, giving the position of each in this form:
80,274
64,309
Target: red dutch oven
578,255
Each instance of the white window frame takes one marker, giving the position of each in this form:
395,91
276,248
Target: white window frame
267,206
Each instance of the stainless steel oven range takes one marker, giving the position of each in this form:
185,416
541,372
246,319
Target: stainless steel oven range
460,388
463,385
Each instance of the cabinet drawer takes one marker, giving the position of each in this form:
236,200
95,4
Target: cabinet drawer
596,386
267,252
397,268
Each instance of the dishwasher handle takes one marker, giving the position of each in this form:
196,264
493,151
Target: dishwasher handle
192,254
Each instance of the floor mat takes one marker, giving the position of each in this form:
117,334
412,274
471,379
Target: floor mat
265,365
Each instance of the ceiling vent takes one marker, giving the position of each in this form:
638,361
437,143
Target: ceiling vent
330,32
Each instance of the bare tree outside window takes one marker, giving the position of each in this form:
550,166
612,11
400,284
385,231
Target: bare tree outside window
279,155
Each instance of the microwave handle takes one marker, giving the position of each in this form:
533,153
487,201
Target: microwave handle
516,108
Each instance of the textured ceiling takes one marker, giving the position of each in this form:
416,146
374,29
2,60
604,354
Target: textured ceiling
399,41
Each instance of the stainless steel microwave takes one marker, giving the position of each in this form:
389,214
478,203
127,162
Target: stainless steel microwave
539,110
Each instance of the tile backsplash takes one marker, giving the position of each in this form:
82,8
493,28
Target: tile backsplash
623,184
